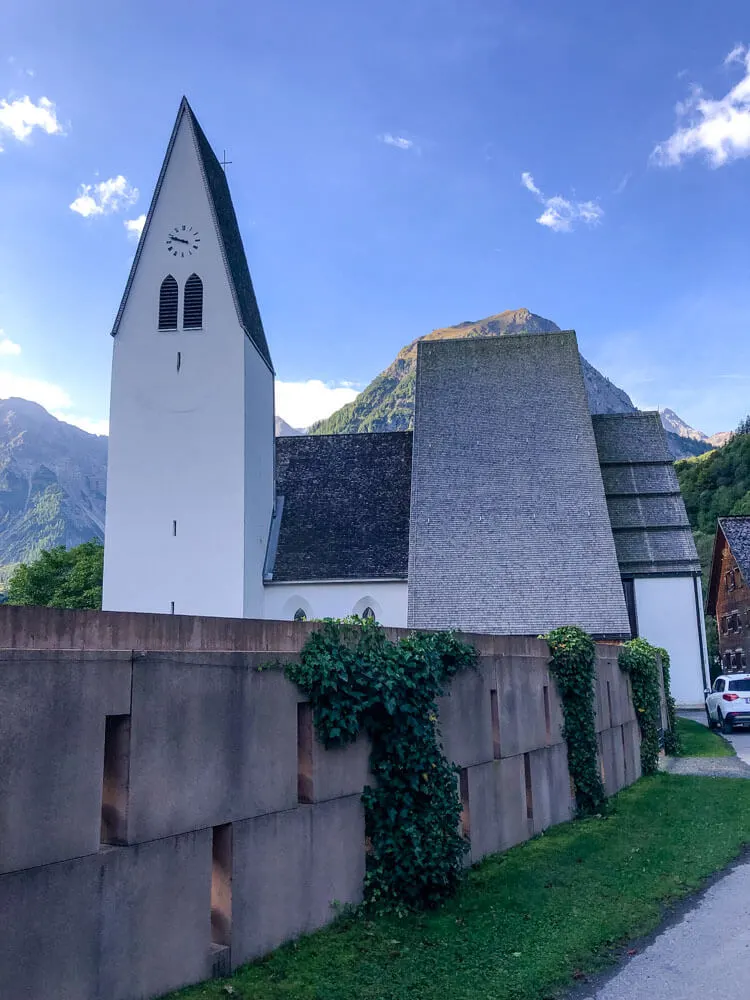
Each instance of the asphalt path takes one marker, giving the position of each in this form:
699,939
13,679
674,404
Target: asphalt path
703,954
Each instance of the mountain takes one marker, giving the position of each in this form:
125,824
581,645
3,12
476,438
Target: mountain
676,425
719,439
685,441
387,404
53,480
283,429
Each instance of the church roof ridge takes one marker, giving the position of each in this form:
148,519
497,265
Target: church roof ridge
228,229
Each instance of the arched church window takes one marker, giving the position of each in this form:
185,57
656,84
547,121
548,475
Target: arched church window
192,313
168,304
299,615
368,613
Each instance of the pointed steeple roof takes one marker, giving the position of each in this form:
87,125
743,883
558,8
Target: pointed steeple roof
227,229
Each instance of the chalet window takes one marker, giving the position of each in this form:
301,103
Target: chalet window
727,665
724,624
299,615
168,295
192,313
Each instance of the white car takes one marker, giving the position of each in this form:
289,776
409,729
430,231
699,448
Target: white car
728,702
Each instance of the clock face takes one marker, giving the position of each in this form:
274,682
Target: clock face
183,241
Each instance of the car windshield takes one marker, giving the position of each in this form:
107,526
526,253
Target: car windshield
743,685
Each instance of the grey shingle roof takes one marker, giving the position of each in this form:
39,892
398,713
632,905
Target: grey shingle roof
650,525
346,506
629,438
509,524
228,230
737,533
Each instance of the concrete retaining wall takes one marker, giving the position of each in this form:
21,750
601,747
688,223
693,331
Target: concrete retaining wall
167,815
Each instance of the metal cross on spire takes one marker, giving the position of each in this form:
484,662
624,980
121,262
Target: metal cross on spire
224,161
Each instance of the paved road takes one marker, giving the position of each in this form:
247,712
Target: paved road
705,955
739,740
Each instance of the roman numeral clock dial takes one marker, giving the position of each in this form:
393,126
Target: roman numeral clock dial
183,241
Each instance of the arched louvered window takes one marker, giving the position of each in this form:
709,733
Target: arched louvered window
168,304
299,615
192,314
368,613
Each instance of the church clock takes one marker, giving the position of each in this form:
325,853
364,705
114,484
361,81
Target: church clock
183,241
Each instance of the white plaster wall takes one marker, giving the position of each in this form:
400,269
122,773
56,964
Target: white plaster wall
337,600
177,439
260,451
667,617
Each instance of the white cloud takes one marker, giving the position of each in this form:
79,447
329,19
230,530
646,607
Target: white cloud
85,423
51,396
399,141
47,394
559,213
105,197
623,183
19,118
736,55
302,403
718,129
8,347
135,226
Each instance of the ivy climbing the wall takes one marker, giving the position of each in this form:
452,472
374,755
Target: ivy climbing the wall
358,681
641,661
573,667
672,744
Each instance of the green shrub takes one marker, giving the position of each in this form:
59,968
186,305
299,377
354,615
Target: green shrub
360,682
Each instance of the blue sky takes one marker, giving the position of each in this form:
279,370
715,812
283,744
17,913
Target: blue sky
395,167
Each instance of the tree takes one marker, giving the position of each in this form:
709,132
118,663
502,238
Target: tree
61,578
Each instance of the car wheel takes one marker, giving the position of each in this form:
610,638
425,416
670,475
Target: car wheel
726,725
709,720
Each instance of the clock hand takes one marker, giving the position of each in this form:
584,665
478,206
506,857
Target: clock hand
178,240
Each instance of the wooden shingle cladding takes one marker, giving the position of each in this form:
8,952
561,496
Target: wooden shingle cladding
345,514
729,591
649,521
509,526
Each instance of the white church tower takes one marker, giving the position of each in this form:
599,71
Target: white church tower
190,485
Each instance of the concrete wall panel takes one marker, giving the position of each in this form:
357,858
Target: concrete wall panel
523,725
52,717
49,947
497,806
289,867
550,784
212,741
466,716
340,771
156,916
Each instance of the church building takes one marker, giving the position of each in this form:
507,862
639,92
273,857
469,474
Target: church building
510,509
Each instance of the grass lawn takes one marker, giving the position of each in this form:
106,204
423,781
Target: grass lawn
700,741
528,921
